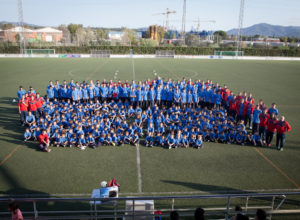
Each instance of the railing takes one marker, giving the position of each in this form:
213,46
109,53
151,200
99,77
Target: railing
96,211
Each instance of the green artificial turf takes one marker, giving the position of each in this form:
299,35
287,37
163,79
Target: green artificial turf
216,168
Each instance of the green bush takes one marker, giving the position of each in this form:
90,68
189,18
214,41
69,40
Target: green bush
291,52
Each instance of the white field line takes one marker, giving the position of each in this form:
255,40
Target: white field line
138,162
159,193
133,70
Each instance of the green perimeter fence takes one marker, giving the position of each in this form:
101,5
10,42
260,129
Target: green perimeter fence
292,52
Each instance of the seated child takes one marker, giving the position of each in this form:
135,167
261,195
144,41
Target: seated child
90,141
126,138
222,138
231,137
101,140
81,143
184,141
73,140
108,140
63,141
199,142
171,141
256,139
135,139
240,138
27,135
149,140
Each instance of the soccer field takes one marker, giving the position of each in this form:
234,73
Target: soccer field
217,168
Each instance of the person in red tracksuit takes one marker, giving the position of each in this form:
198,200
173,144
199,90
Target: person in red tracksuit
282,127
271,127
263,119
23,110
32,106
39,105
232,107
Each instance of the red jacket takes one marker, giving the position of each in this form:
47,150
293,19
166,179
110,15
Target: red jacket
282,127
39,102
263,119
43,138
23,105
32,105
271,124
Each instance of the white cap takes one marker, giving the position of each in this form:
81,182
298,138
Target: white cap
103,184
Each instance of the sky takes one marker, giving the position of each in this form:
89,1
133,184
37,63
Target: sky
139,13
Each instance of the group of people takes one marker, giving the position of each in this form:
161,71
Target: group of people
170,114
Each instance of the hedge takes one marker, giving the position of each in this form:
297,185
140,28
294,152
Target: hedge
293,52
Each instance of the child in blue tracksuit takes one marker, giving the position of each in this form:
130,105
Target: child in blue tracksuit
240,138
81,143
135,139
72,140
27,135
63,141
91,141
199,142
170,141
149,140
256,139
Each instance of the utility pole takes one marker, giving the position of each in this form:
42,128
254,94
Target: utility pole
21,25
240,26
183,22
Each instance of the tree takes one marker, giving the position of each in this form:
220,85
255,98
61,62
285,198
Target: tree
148,43
66,33
101,34
73,30
17,37
90,36
221,34
192,40
80,36
160,33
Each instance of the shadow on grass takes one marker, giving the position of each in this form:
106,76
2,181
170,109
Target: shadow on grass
17,191
212,189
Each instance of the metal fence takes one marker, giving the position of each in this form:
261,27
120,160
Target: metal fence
113,208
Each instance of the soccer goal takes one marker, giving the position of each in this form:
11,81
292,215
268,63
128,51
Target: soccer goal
229,53
100,53
40,51
165,53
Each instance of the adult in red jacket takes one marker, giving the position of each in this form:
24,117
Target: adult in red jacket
23,110
32,106
44,142
263,119
39,104
282,127
271,127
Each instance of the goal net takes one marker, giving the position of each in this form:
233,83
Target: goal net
100,53
40,51
165,53
229,53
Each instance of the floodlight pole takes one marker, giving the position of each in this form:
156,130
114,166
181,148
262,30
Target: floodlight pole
21,24
183,22
240,26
